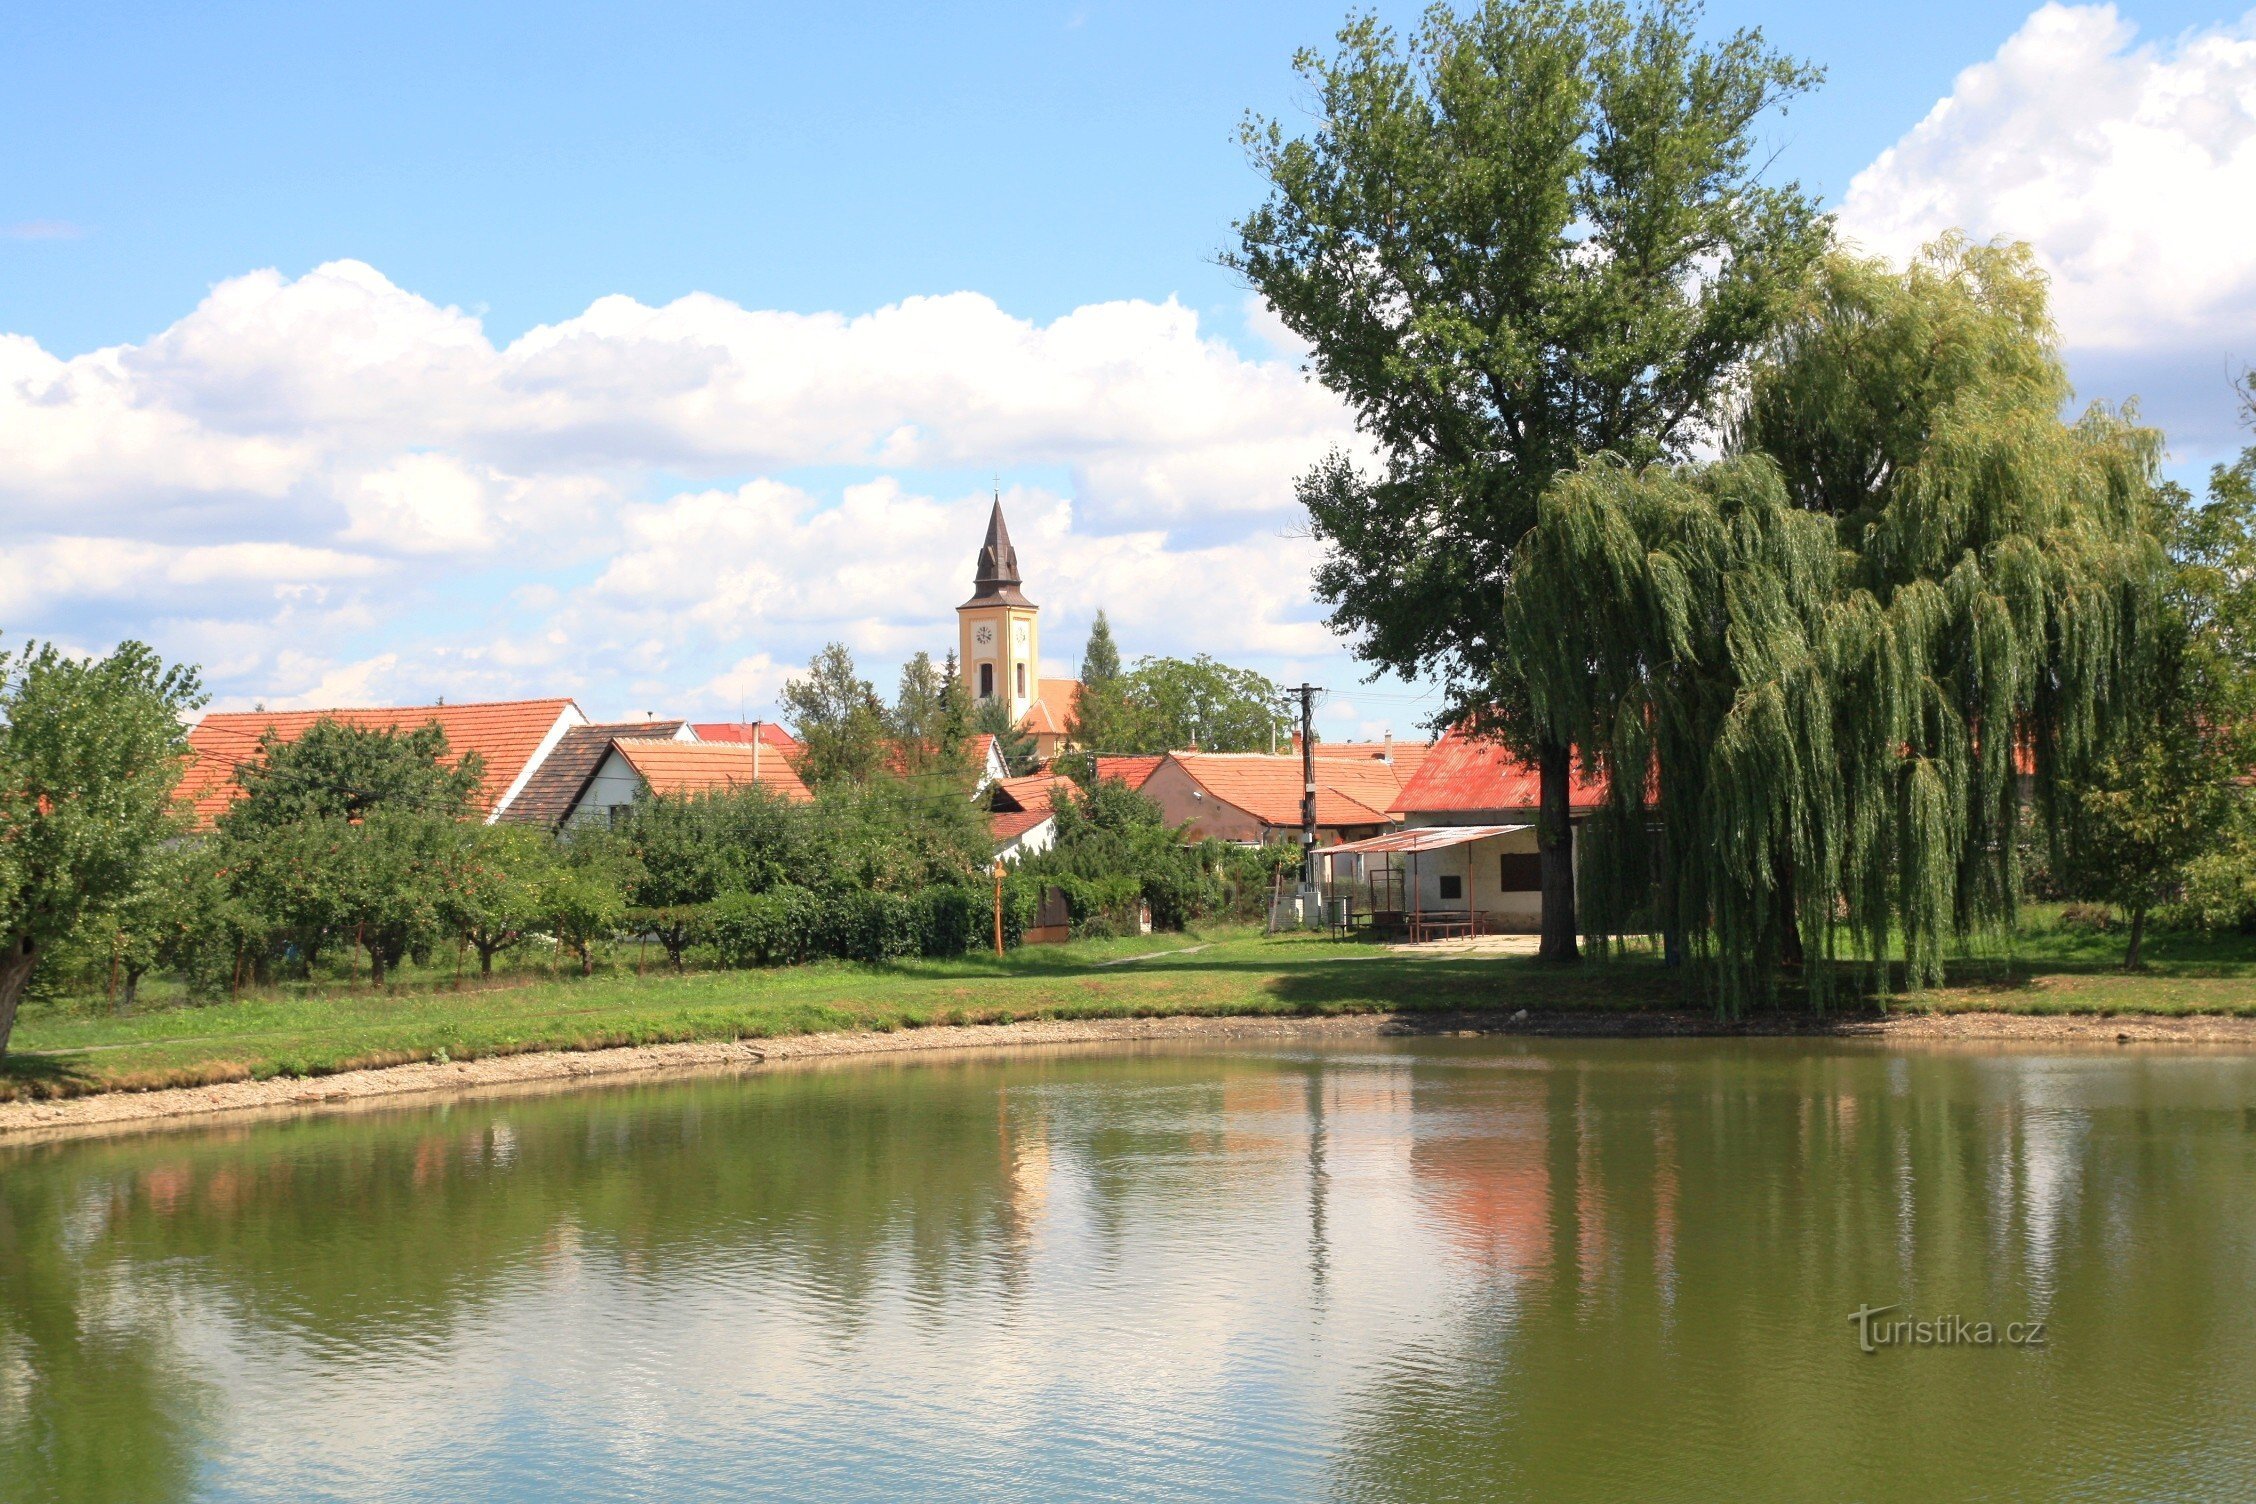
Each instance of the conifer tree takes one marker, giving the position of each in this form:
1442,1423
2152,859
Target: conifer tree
1100,714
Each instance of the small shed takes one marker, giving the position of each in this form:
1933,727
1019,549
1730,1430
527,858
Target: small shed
1440,879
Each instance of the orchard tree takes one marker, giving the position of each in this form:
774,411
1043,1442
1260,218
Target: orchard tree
494,888
340,771
1535,233
90,751
583,896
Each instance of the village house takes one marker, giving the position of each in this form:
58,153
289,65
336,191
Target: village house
512,738
1023,816
677,765
1466,849
1250,798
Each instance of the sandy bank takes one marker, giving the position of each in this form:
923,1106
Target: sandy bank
33,1121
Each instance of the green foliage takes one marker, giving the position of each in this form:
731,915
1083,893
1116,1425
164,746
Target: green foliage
838,718
790,924
336,771
1167,704
90,750
494,893
1819,654
931,723
1013,743
2161,818
1101,714
1536,233
1112,835
582,898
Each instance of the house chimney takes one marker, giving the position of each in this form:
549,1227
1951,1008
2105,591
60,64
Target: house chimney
755,751
1388,756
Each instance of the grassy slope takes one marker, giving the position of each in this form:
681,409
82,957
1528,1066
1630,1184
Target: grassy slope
66,1048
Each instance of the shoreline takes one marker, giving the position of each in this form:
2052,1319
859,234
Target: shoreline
107,1113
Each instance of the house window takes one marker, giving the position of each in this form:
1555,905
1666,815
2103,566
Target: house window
986,681
1452,886
618,814
1520,872
1022,681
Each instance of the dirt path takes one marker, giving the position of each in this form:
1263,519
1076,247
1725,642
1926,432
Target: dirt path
34,1121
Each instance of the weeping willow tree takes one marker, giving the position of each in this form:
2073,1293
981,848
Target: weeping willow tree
1813,671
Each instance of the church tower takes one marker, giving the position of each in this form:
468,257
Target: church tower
1000,651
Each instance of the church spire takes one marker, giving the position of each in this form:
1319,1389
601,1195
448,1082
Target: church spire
997,579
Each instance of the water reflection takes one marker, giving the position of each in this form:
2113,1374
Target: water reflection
1433,1270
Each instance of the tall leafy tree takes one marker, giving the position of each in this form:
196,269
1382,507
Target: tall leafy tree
2162,814
1536,232
90,750
1827,655
1174,703
837,717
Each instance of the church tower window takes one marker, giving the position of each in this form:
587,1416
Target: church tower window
986,681
1022,681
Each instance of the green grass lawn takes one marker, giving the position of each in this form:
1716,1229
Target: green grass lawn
76,1046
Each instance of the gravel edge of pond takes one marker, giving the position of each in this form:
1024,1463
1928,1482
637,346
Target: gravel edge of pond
189,1106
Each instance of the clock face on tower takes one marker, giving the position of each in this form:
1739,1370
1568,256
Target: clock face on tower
1018,633
984,634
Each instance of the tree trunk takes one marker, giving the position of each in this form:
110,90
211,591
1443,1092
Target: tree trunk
16,962
1554,832
485,961
2130,955
132,989
1789,917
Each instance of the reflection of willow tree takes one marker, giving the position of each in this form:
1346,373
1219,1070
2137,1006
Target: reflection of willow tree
1703,1226
92,1404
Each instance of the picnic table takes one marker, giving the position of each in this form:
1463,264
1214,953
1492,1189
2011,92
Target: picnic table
1440,924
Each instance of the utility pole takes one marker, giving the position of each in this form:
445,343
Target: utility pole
1308,694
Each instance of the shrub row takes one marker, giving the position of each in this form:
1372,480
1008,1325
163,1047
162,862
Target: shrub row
786,925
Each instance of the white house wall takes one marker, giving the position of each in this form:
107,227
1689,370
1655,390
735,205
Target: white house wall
615,783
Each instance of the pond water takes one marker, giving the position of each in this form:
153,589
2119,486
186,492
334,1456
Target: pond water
1436,1269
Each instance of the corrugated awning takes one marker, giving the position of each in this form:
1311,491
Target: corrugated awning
1425,838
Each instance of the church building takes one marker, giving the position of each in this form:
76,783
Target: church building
1000,646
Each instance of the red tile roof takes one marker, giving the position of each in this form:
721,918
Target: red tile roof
506,734
1348,791
672,767
767,733
1407,757
1023,803
1034,791
1007,825
1055,701
547,798
1129,770
1463,774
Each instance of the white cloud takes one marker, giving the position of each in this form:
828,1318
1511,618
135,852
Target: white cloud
330,485
2130,168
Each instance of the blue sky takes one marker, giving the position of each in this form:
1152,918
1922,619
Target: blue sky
517,164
